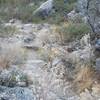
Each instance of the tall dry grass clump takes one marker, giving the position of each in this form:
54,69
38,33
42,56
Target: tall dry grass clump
71,31
11,55
85,78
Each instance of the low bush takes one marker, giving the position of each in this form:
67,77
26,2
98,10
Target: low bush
62,7
72,31
19,9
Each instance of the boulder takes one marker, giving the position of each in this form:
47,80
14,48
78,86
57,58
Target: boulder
29,38
75,17
91,9
44,9
94,15
16,93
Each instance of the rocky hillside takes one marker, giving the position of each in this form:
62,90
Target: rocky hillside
25,10
49,50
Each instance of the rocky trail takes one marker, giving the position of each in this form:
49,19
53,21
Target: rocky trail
49,50
45,84
47,75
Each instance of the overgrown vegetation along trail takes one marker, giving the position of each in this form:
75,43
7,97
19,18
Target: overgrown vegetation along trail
37,50
46,85
35,41
53,61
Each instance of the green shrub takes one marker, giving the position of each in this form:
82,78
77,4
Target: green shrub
73,31
64,7
18,9
24,13
14,2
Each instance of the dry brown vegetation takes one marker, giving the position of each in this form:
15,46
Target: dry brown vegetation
85,78
71,31
11,56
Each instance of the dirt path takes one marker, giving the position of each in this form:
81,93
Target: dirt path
49,82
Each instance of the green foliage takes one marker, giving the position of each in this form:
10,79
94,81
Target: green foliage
21,9
73,31
64,7
14,2
25,13
61,9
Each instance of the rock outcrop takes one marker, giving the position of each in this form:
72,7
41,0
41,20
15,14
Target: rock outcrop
91,9
13,85
16,93
44,9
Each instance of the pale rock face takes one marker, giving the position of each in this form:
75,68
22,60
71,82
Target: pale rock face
82,6
91,9
72,14
45,8
77,17
85,41
16,93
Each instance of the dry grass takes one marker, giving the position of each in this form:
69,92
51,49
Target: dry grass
11,56
71,31
84,78
4,62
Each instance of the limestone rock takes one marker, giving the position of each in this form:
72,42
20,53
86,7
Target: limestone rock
16,93
91,9
44,9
